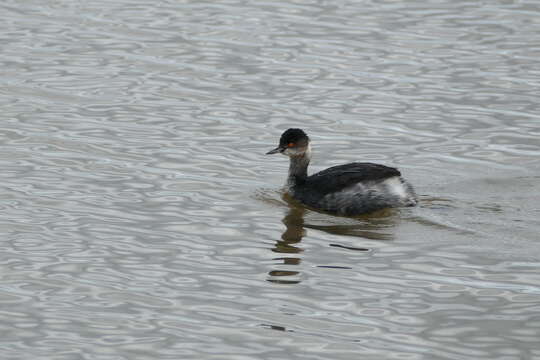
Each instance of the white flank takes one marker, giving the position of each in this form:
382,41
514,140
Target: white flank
396,186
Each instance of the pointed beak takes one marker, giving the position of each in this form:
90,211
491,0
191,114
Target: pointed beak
275,151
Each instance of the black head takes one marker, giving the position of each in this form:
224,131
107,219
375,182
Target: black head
292,142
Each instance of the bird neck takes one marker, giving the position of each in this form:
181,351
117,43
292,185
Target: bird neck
298,168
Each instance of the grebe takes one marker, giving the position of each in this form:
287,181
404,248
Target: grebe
348,190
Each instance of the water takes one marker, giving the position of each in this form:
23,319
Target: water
141,219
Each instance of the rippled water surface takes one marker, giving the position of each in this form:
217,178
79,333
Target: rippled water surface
141,219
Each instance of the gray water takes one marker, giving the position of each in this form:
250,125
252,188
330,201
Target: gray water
141,220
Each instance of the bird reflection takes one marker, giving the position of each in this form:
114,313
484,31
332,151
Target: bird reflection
375,226
294,232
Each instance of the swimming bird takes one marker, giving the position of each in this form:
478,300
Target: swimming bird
348,190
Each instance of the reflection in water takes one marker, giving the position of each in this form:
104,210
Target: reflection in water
293,234
275,327
374,226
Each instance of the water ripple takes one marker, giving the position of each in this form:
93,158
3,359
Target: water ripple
142,220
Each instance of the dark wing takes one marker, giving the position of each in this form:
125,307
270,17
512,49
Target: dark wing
339,177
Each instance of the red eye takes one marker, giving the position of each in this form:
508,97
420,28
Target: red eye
290,144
